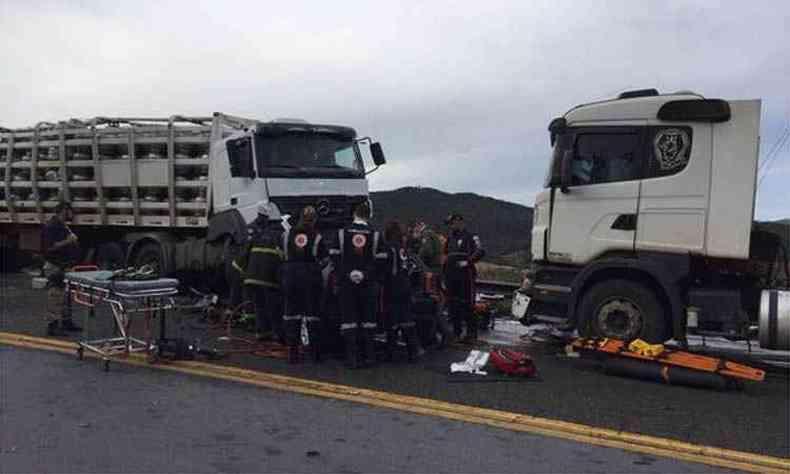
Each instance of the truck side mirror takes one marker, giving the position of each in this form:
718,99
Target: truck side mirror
377,154
566,175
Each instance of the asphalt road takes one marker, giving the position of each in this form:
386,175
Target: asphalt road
62,415
755,420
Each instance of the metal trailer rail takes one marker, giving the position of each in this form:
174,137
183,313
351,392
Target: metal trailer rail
124,303
117,171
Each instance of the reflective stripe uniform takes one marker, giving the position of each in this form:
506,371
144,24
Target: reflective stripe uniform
462,250
259,267
357,276
397,301
397,289
358,287
303,284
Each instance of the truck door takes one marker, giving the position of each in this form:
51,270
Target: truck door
597,212
675,189
234,180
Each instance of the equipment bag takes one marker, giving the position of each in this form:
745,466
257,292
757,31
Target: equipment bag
513,363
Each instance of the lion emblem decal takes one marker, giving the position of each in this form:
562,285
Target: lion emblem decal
671,149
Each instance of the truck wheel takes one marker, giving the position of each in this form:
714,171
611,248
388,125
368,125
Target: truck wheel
110,256
622,309
150,254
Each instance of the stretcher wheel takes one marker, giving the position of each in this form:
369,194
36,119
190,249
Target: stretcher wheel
80,353
153,355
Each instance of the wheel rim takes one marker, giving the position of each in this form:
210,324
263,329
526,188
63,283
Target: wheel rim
619,319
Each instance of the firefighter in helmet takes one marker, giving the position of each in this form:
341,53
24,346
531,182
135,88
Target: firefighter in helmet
259,267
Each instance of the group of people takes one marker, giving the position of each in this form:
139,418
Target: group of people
371,277
367,271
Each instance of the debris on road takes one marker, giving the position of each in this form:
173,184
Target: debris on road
512,362
473,363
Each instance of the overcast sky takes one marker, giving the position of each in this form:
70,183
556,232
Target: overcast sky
459,93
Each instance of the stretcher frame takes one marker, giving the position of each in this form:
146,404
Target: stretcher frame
123,304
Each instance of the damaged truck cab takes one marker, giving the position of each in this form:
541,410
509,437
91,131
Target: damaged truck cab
644,228
176,193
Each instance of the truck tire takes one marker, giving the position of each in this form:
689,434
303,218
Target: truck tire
622,309
150,254
110,256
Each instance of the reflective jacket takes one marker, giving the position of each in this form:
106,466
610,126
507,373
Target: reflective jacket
259,262
303,245
358,251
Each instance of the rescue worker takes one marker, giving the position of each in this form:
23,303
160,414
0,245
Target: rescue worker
397,295
429,246
462,251
357,256
61,251
302,283
259,267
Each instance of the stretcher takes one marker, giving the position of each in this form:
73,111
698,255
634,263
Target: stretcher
654,361
126,298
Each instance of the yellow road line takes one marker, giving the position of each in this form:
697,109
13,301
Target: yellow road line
511,421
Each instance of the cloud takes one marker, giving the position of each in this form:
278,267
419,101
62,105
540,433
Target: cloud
459,93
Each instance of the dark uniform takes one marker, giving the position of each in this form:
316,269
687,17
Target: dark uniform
259,267
462,251
357,281
58,257
302,285
397,299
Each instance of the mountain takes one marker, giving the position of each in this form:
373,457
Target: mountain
504,227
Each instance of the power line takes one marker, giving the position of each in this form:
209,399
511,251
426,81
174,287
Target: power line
776,145
769,161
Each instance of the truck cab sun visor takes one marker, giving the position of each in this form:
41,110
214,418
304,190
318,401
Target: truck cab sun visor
705,110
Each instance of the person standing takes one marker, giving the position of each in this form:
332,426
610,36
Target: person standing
358,253
462,251
430,247
61,251
302,282
397,294
259,267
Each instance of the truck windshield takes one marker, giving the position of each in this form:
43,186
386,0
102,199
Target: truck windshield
308,153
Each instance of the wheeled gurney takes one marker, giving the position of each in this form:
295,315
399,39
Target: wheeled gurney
125,298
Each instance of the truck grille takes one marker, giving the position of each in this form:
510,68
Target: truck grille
333,211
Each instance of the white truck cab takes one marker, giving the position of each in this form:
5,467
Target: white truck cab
647,212
178,192
292,164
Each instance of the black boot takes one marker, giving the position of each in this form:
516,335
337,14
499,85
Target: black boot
314,334
457,327
412,345
68,325
294,357
369,347
392,341
471,330
352,353
53,329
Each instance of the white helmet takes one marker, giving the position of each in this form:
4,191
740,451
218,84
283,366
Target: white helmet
265,209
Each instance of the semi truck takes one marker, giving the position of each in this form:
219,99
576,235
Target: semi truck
645,225
176,193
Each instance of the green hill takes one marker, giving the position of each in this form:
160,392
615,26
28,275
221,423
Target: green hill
504,227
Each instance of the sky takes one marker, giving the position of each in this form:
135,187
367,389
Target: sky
459,93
